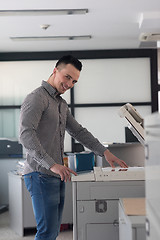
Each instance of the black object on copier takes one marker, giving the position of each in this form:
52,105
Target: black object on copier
10,149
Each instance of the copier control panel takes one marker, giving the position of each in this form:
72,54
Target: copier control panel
112,174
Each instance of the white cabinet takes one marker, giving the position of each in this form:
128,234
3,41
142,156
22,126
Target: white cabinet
152,150
6,165
20,205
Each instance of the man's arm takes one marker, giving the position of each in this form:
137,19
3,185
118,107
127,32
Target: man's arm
31,113
112,159
88,140
63,171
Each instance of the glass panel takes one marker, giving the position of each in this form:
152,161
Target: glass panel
105,123
9,127
17,79
114,80
9,123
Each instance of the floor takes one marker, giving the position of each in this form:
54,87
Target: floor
7,234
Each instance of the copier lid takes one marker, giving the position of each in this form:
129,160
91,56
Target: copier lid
135,121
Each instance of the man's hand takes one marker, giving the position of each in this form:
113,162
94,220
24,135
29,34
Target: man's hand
63,171
112,159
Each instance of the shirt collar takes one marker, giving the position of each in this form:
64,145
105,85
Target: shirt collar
51,90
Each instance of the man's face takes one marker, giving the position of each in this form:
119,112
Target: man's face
64,77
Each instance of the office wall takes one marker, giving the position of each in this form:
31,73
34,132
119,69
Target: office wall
101,81
109,79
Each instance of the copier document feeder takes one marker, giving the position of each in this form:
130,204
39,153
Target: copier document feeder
135,121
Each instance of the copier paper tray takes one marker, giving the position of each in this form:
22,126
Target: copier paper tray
108,174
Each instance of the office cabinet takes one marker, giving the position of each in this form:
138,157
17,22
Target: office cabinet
6,166
152,132
20,205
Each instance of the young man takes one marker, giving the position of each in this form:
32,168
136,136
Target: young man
44,118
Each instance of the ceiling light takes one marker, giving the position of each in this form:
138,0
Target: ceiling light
35,12
50,38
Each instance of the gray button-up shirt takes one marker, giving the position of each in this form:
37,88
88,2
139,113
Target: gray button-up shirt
43,120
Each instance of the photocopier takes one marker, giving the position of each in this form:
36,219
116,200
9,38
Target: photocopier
96,193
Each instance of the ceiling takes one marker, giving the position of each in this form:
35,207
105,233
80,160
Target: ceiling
115,24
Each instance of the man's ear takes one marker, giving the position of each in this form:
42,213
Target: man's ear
55,70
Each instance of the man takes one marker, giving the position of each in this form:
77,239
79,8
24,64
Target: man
44,118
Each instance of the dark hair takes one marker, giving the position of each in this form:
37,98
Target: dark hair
69,59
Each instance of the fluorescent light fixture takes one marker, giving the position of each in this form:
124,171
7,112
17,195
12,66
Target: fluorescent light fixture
50,38
35,12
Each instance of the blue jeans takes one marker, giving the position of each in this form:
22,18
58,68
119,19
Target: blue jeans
47,193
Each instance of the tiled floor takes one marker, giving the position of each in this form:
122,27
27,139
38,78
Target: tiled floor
7,234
